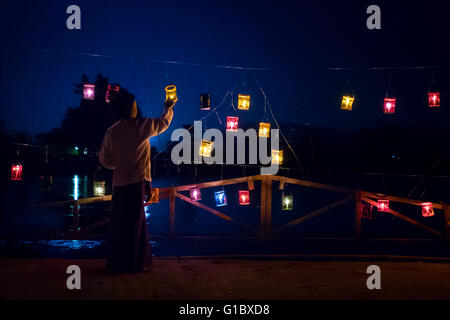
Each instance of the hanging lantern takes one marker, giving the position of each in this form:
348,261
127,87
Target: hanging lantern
171,93
347,103
221,198
287,202
434,99
244,197
205,101
195,194
16,171
427,209
206,148
99,188
367,211
389,105
88,91
232,124
112,90
277,156
383,205
264,130
243,102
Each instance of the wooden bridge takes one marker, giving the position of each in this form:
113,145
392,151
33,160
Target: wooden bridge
265,184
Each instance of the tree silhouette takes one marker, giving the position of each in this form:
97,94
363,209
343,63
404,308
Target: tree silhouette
83,126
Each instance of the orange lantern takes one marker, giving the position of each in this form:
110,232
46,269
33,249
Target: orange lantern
171,93
347,103
264,130
244,197
427,209
434,99
16,171
206,148
389,105
232,123
243,102
383,205
277,156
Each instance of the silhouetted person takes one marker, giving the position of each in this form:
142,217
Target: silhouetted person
126,150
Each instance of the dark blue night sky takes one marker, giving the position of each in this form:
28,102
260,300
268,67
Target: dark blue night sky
37,85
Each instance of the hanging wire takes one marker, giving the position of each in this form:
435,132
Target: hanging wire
278,126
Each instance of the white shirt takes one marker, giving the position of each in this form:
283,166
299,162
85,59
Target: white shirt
126,147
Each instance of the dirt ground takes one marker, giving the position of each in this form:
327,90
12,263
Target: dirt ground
225,279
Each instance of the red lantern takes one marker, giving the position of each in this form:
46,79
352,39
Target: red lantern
427,209
389,105
195,194
383,205
16,171
88,91
232,123
434,99
112,90
244,197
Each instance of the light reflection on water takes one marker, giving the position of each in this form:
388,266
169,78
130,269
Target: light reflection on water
75,193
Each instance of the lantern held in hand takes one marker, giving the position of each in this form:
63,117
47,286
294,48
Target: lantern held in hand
232,123
389,105
88,91
206,148
244,197
434,99
221,198
264,130
243,102
16,171
383,205
347,103
205,101
427,209
171,93
195,194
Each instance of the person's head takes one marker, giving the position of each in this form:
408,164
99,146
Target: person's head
124,105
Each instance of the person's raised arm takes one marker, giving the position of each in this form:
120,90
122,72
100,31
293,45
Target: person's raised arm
154,126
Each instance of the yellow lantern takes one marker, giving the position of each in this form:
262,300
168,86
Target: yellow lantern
243,102
99,188
264,130
347,103
171,93
206,148
287,202
277,156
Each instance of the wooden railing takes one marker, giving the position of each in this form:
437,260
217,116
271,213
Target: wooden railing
266,231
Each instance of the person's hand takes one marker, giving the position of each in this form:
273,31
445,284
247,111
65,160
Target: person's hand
169,103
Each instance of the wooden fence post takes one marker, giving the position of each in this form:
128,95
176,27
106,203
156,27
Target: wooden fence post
262,224
266,208
172,212
358,214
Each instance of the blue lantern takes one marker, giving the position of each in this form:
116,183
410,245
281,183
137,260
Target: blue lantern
221,198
